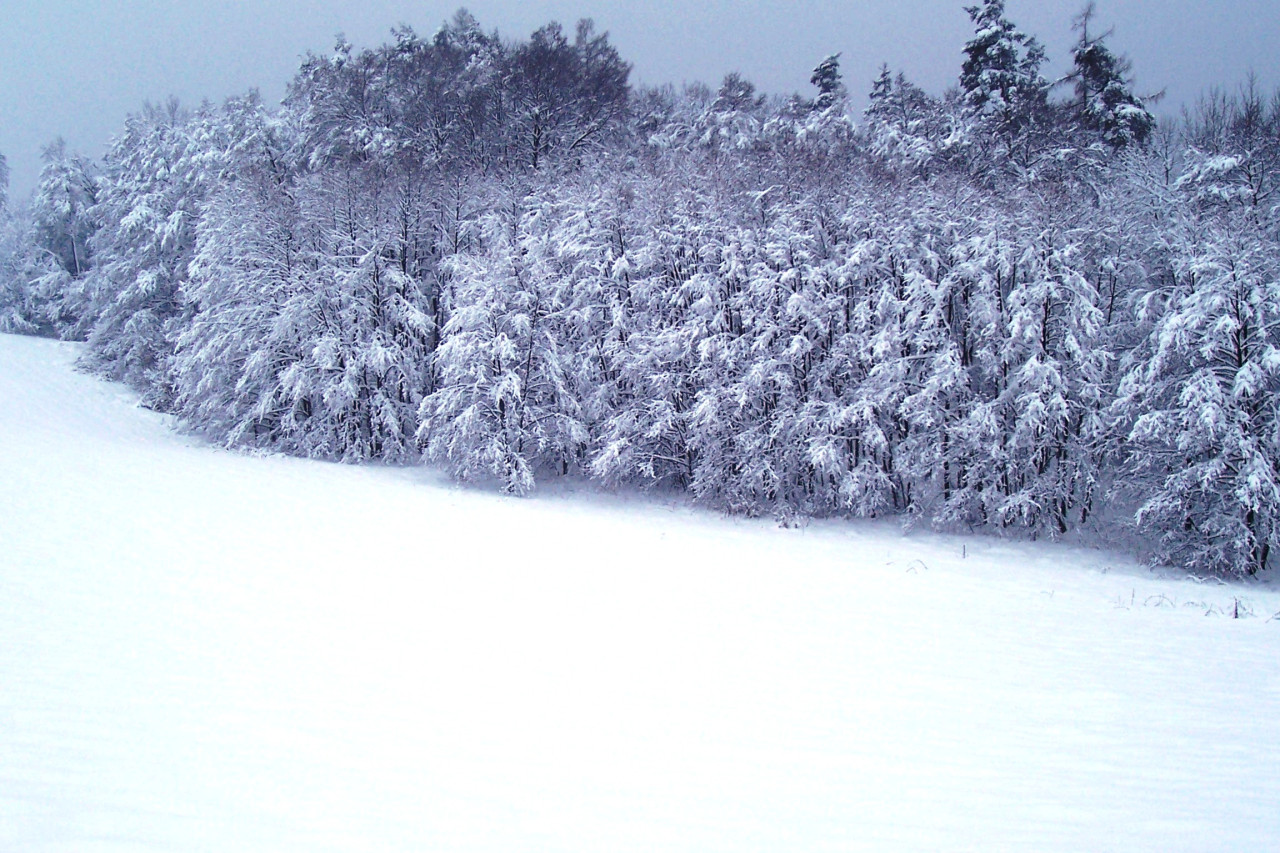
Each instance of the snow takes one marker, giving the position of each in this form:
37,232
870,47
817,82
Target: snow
205,651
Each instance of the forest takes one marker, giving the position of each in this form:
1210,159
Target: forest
1024,305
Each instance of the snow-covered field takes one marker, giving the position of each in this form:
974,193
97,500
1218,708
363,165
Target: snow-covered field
207,651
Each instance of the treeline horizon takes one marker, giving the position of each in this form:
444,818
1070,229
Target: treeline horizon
1024,305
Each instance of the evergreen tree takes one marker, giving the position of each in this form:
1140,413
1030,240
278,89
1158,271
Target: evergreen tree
62,225
1200,388
904,127
156,177
1000,77
507,406
1105,103
826,77
16,311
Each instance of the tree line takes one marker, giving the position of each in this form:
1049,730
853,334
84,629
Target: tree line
1023,305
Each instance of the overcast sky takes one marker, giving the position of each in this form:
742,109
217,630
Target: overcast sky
76,69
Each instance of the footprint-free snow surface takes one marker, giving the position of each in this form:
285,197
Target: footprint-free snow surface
207,651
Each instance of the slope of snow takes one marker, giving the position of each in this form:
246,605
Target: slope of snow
208,651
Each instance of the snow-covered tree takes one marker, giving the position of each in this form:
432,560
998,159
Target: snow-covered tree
563,96
62,225
60,209
1199,396
1105,102
905,128
1001,70
16,310
661,271
826,77
1003,89
155,180
814,134
310,336
986,308
253,252
735,119
1039,370
507,405
1232,151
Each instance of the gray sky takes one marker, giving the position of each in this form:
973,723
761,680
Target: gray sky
76,68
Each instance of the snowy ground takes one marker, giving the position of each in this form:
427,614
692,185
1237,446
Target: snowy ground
206,651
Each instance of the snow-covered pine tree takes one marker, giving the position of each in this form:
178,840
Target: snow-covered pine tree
648,435
62,225
1004,90
1001,70
156,177
1105,102
905,128
734,120
253,253
507,406
826,77
15,304
812,136
1201,392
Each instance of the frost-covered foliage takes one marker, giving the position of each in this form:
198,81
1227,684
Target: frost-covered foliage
991,309
511,395
1200,394
62,224
26,271
906,129
1203,394
307,332
155,180
14,304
